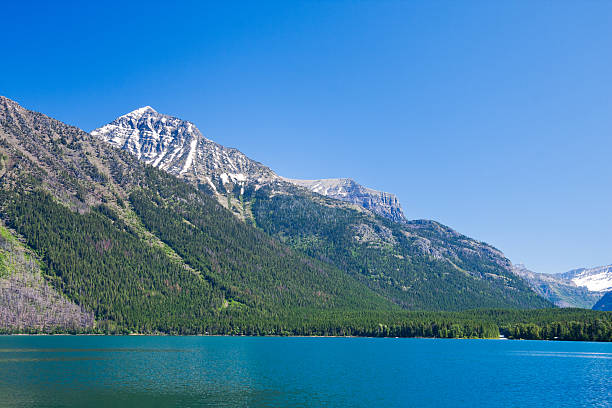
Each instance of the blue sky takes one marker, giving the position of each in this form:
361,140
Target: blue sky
494,118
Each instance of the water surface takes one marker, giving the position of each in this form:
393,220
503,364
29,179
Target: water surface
135,371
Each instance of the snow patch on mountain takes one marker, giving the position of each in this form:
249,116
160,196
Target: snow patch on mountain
192,153
598,279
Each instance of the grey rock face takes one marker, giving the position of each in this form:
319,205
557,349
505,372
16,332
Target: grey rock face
177,146
345,189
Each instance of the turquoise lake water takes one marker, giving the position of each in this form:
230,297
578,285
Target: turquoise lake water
100,371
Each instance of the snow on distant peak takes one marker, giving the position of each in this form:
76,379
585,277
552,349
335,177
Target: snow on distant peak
595,279
598,279
141,111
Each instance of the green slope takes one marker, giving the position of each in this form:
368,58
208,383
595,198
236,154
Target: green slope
250,266
27,302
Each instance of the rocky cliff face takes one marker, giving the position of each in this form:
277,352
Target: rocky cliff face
345,189
177,146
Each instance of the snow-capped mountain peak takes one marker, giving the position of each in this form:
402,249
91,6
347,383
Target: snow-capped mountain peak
177,146
141,111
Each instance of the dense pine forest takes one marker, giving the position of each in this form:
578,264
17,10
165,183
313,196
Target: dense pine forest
548,324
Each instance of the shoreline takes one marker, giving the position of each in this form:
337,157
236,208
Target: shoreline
296,336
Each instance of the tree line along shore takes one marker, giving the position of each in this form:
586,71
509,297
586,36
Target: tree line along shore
541,324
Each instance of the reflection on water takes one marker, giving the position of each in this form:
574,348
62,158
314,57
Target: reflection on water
84,350
23,360
99,371
565,354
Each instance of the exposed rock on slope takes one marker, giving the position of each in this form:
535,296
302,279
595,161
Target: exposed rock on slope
381,203
177,146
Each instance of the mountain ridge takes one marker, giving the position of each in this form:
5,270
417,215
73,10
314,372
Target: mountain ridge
575,288
562,292
605,303
179,147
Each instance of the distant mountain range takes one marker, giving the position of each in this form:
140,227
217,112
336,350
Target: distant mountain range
598,279
576,288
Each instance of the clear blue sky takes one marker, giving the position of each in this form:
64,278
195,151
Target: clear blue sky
494,118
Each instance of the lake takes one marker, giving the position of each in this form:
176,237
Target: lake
134,371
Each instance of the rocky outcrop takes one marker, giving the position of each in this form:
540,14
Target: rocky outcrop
346,189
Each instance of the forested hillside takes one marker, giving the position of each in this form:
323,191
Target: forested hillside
418,264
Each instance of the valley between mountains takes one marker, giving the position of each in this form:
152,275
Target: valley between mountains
147,226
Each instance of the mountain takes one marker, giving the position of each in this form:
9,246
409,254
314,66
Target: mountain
416,265
605,303
381,203
598,279
563,292
137,248
178,147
